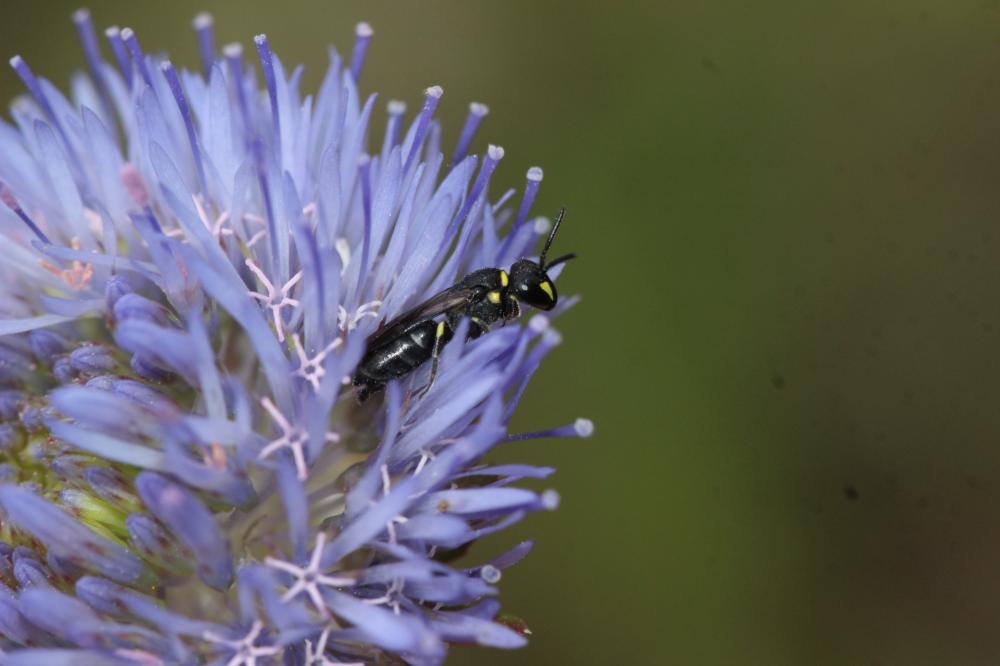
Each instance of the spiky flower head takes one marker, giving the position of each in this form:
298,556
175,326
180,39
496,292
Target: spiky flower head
192,262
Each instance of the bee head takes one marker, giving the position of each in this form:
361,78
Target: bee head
529,280
529,283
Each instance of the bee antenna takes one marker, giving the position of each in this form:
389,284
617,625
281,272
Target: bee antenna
552,234
559,260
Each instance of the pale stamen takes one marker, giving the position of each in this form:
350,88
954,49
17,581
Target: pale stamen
275,299
311,369
316,656
292,438
245,652
309,579
79,273
349,322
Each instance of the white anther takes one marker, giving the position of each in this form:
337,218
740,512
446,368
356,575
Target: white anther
308,578
275,299
311,369
245,650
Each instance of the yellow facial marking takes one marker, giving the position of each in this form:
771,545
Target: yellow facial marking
547,288
494,297
440,329
504,280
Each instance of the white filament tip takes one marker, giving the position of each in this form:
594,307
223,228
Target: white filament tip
552,337
584,427
434,91
479,109
538,323
363,30
202,21
490,574
535,173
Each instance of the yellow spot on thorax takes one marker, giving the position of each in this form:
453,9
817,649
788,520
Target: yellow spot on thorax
547,288
504,280
494,297
440,329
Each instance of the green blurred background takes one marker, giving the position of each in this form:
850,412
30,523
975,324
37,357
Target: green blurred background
787,220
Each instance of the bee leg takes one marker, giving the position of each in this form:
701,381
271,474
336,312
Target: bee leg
441,336
365,387
477,327
514,312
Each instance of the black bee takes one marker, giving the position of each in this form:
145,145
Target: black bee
485,296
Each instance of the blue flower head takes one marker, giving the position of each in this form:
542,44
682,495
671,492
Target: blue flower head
192,262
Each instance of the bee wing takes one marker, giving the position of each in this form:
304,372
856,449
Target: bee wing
452,297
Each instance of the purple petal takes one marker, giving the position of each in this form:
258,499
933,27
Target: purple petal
65,657
134,306
59,614
150,540
296,506
370,523
464,628
208,375
259,585
68,307
111,486
364,491
479,501
101,595
150,369
115,288
168,347
227,484
510,472
46,344
435,529
12,326
402,633
103,411
145,395
91,359
415,137
475,116
68,538
233,297
10,404
110,448
193,524
514,555
12,624
453,589
29,573
145,608
10,437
